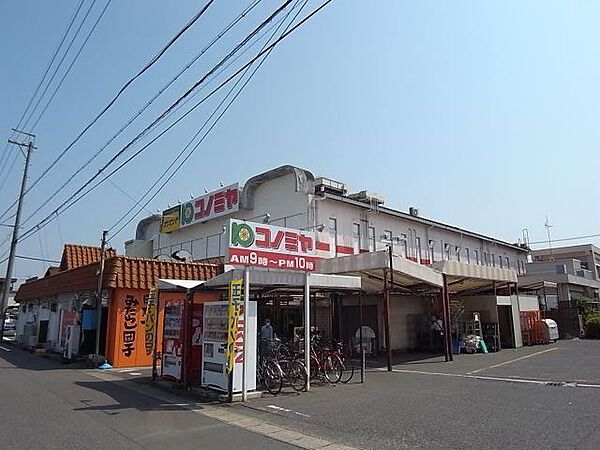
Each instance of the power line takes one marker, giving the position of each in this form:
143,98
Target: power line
161,91
62,80
574,238
166,112
114,99
65,34
202,128
147,66
70,202
32,112
36,258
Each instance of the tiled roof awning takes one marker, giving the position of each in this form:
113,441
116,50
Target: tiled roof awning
119,272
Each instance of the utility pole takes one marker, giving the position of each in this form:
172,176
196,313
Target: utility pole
548,226
99,296
15,236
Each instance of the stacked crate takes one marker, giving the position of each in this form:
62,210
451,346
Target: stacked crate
533,329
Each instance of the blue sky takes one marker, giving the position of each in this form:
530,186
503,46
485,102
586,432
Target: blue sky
482,114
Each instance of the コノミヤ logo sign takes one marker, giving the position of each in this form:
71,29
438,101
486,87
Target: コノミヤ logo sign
270,246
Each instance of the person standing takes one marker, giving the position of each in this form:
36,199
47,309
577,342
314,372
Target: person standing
267,336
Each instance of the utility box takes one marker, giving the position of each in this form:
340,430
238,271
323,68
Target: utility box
551,329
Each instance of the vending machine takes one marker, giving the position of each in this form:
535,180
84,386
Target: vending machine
214,354
172,339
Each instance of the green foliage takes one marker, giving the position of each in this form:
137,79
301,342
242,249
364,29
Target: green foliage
591,324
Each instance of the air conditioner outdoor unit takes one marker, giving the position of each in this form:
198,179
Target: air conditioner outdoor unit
413,212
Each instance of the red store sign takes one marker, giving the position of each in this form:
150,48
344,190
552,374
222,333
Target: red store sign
268,246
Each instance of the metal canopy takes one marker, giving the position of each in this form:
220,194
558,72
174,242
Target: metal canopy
465,278
166,284
370,267
261,278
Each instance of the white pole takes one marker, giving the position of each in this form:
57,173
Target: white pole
245,353
307,328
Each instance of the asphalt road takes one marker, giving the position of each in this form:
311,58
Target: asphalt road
433,405
44,405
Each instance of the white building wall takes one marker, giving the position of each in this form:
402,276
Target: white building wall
423,243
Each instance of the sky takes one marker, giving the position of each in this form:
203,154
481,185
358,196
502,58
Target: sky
481,114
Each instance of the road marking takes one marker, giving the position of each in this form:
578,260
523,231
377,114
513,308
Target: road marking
126,370
279,408
134,373
5,349
175,404
512,360
503,379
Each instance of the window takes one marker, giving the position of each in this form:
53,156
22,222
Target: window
404,244
468,256
356,237
485,259
507,263
493,258
476,256
447,252
431,251
457,251
418,249
371,239
500,261
333,235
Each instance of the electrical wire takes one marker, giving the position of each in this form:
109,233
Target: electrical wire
190,153
574,238
161,91
147,66
39,85
62,80
171,108
32,112
66,205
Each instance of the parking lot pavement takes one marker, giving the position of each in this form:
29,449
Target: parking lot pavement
568,361
443,407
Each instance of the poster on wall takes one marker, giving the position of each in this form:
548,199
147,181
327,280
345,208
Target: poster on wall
269,246
68,318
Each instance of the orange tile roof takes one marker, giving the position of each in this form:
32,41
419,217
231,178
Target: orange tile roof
119,272
81,255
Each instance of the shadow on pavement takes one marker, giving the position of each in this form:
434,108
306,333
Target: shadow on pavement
23,359
125,398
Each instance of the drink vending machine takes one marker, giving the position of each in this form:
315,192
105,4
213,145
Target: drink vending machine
172,339
214,354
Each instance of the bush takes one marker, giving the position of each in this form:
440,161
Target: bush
592,325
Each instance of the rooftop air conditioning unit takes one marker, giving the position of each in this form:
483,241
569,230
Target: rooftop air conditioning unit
325,185
372,198
413,212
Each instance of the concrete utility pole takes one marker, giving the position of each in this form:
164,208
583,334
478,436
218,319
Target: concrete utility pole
99,296
15,236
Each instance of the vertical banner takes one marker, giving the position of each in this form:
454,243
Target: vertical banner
149,321
235,306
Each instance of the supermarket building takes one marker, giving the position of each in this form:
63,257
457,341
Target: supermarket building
355,233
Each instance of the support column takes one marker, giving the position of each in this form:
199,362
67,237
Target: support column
446,320
187,338
386,313
307,328
245,347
